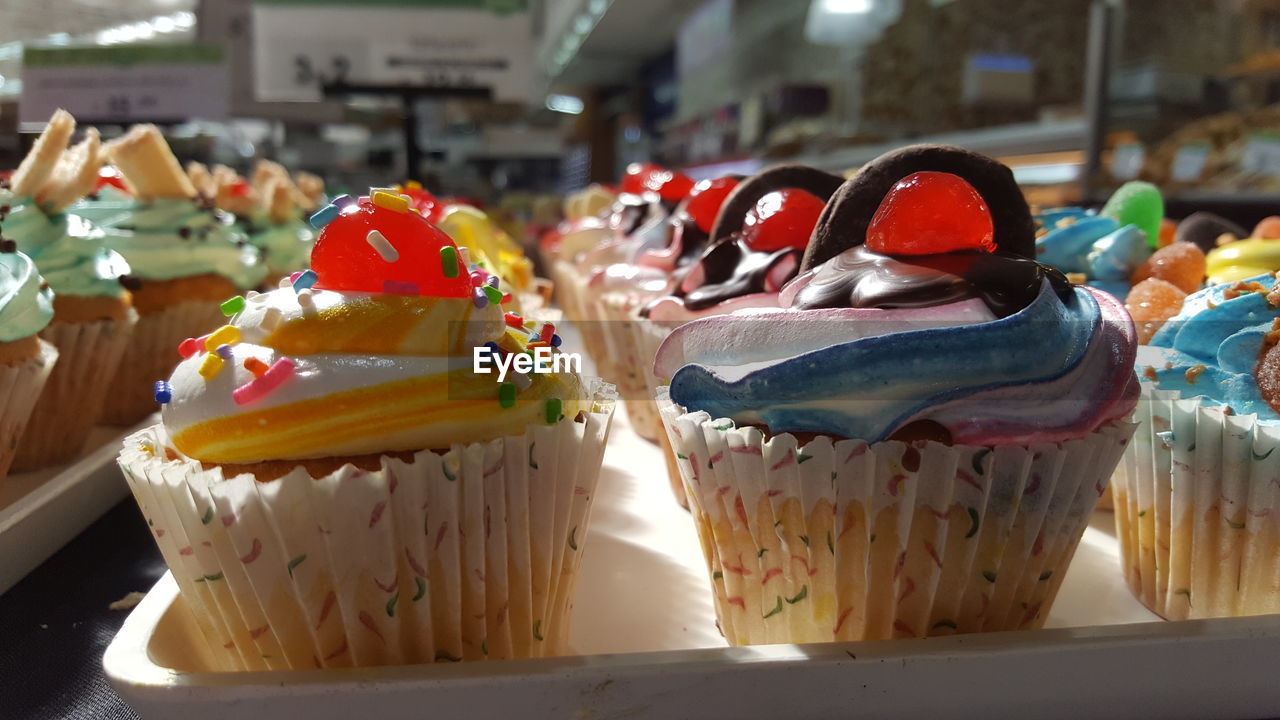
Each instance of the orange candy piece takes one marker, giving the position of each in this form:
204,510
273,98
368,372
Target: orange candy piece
1269,228
1151,303
1168,230
1181,264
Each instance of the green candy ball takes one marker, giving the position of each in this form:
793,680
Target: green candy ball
1138,203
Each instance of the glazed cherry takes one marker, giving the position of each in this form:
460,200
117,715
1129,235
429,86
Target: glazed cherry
670,185
344,258
782,219
114,181
633,181
424,202
931,212
240,188
705,200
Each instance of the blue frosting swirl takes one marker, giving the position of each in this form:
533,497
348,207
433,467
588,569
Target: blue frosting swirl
987,382
1219,340
1079,241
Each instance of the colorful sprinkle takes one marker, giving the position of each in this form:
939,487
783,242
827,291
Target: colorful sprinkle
382,245
211,366
477,277
279,371
513,320
464,256
306,301
506,298
304,280
390,201
492,293
164,392
522,380
449,261
494,350
507,394
324,216
188,347
343,200
255,366
491,281
232,306
479,298
555,341
413,185
547,330
553,410
225,335
224,352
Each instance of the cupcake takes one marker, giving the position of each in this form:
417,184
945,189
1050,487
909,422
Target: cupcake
1197,511
912,444
1231,258
93,318
1106,247
185,258
331,483
26,307
623,288
755,243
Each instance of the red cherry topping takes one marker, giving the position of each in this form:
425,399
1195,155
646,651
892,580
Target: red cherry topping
931,212
637,174
240,188
424,202
114,181
782,219
670,185
344,257
705,200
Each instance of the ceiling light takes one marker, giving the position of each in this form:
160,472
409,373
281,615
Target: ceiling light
846,7
568,104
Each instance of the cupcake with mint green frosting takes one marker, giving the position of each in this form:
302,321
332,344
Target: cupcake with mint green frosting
92,316
1197,509
185,257
26,308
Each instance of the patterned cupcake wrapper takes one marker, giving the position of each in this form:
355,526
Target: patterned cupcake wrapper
152,354
649,336
627,362
854,541
469,555
1197,504
72,401
20,387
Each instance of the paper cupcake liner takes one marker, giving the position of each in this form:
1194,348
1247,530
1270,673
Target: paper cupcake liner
848,540
468,555
627,363
20,387
649,336
72,401
1197,505
151,355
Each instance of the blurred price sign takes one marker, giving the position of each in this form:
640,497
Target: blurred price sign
128,83
300,46
1262,154
1127,160
1188,163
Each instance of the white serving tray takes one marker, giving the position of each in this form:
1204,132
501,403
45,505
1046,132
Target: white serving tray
649,648
41,511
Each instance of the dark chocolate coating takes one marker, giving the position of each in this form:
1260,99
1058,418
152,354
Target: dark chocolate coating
1204,228
732,270
733,212
866,279
844,222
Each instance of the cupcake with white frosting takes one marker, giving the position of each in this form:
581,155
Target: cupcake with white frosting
379,501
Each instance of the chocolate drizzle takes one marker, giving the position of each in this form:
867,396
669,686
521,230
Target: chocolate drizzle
860,278
732,270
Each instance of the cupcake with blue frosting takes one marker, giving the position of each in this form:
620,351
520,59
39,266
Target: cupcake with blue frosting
1197,507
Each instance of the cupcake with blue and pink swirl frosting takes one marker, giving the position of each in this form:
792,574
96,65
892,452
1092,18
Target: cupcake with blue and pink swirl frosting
912,442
